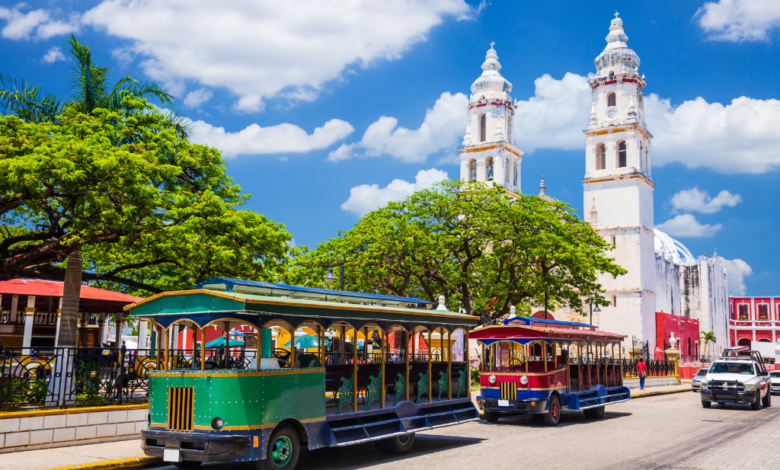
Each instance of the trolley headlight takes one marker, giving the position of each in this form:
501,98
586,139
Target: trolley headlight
217,423
492,379
524,380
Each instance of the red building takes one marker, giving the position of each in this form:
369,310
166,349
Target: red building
753,319
686,330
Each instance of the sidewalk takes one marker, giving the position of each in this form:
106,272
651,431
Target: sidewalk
45,459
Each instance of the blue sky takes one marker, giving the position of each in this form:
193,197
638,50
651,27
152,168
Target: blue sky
288,91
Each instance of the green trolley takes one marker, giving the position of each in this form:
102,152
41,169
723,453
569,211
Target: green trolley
375,368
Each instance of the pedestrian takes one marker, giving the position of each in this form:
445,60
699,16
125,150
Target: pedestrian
641,369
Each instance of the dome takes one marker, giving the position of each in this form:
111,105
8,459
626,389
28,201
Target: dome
491,82
670,248
617,57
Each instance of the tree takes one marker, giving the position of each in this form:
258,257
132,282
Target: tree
481,248
708,337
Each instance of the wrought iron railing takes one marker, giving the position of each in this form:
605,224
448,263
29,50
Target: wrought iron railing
655,367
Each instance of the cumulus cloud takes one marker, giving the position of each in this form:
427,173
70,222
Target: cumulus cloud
686,226
256,140
700,201
739,20
736,271
442,128
21,25
260,50
53,55
196,98
555,116
365,198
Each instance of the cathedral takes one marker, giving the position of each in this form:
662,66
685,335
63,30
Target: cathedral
666,289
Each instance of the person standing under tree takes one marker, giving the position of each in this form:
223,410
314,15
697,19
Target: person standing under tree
641,370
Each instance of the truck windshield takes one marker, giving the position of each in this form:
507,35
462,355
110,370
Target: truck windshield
731,368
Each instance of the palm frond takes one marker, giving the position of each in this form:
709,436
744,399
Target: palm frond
89,80
27,101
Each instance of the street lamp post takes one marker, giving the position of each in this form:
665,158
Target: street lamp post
591,311
331,278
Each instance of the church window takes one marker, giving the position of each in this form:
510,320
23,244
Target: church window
473,170
611,99
601,156
489,169
515,177
641,155
763,312
506,171
743,312
622,155
482,128
509,129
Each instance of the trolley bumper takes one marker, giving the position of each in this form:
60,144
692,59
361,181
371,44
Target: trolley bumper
530,405
199,447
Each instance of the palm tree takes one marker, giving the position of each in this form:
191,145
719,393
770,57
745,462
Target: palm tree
708,337
89,91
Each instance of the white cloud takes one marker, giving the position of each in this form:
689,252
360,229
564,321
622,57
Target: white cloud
442,128
736,270
196,98
53,55
686,226
739,20
22,25
365,198
700,201
260,50
256,140
555,116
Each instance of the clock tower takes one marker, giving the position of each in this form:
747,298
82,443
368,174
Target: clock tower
618,186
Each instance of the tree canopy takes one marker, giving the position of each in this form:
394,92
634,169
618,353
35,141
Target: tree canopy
481,248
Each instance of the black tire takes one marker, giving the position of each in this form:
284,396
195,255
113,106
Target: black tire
756,405
706,404
767,400
285,443
553,415
187,464
594,413
491,417
397,445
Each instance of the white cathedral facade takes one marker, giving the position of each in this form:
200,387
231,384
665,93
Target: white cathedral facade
618,198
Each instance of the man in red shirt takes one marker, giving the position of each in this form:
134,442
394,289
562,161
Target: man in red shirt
641,370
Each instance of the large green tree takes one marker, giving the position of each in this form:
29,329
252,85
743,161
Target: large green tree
481,248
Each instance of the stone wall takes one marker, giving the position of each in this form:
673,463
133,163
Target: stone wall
60,428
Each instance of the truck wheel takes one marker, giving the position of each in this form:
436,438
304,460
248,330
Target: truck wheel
397,445
491,417
283,451
706,404
756,405
187,464
594,413
767,400
553,414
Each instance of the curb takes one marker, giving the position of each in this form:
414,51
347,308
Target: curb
112,464
658,392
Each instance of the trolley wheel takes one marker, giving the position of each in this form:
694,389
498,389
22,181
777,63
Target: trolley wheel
284,448
553,414
767,400
491,417
187,464
594,413
706,404
396,445
756,405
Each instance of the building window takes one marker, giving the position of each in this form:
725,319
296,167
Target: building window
614,241
611,100
482,128
743,312
641,155
763,312
515,178
614,300
473,170
489,169
601,156
622,155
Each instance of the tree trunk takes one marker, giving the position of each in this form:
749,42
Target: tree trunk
70,301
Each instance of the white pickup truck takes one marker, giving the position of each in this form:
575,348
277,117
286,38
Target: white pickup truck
739,376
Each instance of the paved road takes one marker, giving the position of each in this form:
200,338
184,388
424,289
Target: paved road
669,431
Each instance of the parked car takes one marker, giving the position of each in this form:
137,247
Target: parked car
696,382
739,376
774,376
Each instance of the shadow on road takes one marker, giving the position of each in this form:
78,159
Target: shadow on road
568,418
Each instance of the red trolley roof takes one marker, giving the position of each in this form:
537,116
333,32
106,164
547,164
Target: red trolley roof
524,334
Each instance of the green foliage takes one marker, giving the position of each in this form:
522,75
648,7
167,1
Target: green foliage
479,247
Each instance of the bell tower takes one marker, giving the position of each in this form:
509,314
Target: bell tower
488,152
618,186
